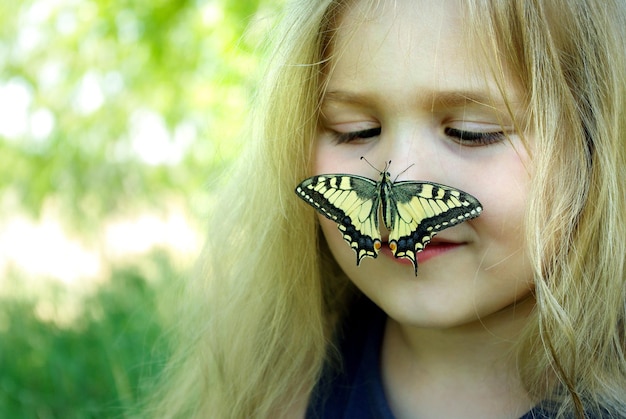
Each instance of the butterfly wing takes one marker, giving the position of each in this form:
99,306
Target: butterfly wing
352,202
419,210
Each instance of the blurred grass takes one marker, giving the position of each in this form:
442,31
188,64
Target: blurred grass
95,366
108,110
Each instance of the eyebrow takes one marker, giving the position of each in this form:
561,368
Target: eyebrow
435,99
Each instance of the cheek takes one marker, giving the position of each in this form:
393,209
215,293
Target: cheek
501,230
331,232
501,227
340,250
504,194
329,158
323,158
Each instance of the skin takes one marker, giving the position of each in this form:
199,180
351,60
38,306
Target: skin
404,86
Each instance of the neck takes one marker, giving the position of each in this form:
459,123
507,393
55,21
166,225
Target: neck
433,372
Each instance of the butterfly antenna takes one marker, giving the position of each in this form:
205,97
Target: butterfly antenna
374,167
402,171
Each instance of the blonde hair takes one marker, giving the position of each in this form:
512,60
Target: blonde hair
570,57
257,320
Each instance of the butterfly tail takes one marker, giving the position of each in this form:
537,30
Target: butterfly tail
405,250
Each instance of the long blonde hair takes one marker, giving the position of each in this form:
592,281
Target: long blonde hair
570,57
257,320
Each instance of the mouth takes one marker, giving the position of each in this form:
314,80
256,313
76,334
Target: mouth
433,249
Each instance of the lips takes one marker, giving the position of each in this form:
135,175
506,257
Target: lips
433,249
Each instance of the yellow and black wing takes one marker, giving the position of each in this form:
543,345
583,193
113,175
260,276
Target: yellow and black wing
352,202
419,210
413,212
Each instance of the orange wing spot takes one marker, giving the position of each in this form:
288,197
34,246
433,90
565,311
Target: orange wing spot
393,246
377,245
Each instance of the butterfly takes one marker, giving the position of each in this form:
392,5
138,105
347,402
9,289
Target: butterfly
412,211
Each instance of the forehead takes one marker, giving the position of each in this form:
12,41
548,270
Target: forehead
406,22
400,46
392,38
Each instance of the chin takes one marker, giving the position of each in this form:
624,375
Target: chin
442,296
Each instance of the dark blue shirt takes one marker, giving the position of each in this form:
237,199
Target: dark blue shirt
354,390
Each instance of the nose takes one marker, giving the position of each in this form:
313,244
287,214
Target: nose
413,155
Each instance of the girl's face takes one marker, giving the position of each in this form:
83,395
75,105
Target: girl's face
405,88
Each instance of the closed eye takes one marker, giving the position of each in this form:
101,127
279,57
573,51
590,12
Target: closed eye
355,136
475,138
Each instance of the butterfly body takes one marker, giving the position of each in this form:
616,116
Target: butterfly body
413,212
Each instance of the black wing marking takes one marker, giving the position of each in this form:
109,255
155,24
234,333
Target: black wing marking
352,202
422,209
413,212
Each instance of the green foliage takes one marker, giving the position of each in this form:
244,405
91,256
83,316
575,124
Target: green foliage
106,108
116,102
96,366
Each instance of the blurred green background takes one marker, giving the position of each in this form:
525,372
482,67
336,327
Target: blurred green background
115,116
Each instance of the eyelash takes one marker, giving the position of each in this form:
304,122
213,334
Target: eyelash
466,138
348,137
474,139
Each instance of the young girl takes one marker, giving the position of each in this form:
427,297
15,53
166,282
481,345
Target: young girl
517,313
